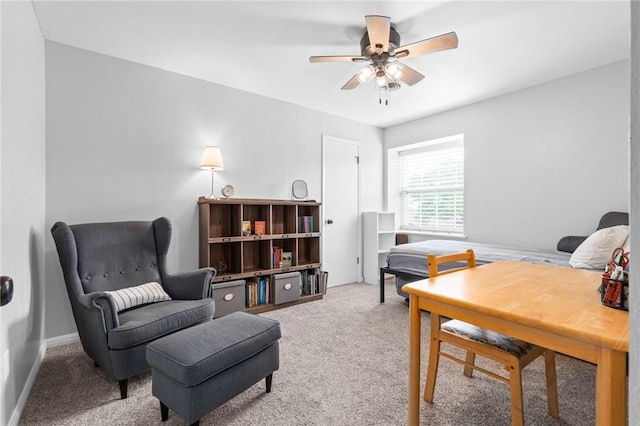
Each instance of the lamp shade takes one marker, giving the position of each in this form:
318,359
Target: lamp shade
212,159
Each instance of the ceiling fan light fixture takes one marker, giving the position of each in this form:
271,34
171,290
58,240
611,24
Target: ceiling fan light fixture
366,73
381,80
394,71
393,87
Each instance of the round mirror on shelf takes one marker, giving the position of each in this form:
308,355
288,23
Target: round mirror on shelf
299,190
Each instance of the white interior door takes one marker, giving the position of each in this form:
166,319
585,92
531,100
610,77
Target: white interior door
340,210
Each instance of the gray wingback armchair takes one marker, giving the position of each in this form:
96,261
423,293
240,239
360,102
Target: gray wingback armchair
98,258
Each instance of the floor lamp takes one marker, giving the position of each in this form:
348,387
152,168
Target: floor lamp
212,160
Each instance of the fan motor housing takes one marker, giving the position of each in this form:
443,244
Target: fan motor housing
367,50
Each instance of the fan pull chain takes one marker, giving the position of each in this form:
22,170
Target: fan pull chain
387,100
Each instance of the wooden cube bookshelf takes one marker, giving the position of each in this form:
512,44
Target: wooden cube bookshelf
290,226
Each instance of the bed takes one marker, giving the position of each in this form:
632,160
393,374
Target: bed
408,261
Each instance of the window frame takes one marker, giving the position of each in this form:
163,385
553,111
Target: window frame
397,192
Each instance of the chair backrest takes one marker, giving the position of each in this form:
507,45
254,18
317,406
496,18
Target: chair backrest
433,262
111,256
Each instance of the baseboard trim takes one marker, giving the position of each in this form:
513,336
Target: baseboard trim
35,368
22,401
62,340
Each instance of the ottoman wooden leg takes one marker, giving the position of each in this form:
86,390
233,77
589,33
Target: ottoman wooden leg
269,378
164,412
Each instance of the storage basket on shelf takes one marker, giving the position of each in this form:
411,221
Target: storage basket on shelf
614,290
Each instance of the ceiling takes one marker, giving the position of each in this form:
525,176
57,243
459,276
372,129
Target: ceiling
263,46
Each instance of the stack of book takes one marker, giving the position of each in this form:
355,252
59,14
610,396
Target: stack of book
257,292
276,257
305,224
309,283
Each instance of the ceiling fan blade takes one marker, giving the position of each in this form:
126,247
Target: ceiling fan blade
352,84
378,28
430,45
313,59
409,75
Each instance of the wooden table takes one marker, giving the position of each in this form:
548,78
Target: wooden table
558,308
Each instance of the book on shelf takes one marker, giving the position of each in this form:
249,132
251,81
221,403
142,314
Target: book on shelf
286,259
276,257
309,282
246,228
257,292
312,284
263,296
250,294
305,224
259,227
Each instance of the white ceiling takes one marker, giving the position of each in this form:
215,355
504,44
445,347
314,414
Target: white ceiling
263,46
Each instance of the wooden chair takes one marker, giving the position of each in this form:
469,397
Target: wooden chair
513,354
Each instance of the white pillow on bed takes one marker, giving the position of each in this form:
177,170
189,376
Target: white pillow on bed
596,250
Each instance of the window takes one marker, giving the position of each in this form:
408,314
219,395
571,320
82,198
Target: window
426,185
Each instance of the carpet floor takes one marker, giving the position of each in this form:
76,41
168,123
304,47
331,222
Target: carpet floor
343,361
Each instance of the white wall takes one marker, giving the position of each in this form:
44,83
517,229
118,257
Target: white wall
634,308
540,163
22,204
124,142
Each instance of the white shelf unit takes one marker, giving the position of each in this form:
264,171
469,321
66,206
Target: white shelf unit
379,235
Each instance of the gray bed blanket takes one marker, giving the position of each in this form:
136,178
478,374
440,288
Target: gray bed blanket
412,257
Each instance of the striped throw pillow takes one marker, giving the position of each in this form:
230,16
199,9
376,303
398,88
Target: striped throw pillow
133,296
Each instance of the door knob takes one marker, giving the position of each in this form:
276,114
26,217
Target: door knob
6,285
329,221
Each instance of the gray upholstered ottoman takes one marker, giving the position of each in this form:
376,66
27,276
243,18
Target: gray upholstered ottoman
200,368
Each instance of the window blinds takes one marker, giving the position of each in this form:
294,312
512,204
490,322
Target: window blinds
432,187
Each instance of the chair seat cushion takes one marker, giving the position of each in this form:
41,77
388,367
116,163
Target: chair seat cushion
148,322
510,344
194,355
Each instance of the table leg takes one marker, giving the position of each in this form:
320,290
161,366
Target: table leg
381,286
414,361
611,389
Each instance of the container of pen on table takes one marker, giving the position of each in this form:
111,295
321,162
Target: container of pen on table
615,293
614,290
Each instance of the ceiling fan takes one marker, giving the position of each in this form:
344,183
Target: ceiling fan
380,47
